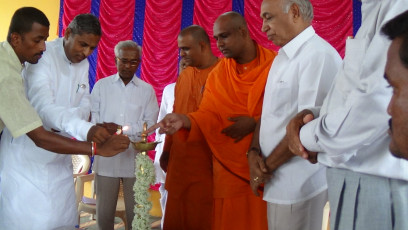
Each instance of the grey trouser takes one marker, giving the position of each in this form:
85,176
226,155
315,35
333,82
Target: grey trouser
107,190
365,202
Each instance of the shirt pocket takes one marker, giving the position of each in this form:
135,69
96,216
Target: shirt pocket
281,98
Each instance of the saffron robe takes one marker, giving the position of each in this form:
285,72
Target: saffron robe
230,93
189,175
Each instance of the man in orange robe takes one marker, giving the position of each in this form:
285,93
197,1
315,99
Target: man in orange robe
226,118
189,179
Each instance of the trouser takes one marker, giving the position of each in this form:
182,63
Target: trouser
107,190
304,215
163,200
365,202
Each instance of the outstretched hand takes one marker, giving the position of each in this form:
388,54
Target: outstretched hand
171,123
293,131
242,126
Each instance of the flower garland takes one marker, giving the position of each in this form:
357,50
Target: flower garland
145,176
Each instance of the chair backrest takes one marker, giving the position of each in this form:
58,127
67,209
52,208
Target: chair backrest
81,164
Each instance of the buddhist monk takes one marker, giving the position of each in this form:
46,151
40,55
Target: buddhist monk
189,164
226,119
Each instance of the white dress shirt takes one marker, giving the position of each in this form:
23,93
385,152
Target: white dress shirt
39,183
166,107
60,91
300,77
128,105
351,132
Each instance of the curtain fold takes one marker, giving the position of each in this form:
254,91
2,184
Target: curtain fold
155,25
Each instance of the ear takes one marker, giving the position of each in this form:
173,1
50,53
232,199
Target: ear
295,12
243,31
67,33
16,39
202,45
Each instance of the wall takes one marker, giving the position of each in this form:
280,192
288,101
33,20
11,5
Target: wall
49,7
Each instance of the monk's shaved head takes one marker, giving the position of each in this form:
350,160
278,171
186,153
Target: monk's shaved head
197,32
234,19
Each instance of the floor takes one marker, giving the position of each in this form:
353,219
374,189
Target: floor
87,223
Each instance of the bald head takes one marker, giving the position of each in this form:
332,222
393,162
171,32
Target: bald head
197,33
234,19
233,39
195,47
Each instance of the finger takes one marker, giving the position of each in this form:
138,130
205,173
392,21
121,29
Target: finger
154,127
262,165
308,118
254,188
239,139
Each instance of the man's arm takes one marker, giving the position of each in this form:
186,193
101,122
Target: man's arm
41,92
258,173
279,156
171,123
59,144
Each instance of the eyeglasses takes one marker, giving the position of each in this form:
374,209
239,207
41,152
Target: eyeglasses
130,62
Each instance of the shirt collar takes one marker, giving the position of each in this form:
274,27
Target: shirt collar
14,58
134,80
294,45
61,50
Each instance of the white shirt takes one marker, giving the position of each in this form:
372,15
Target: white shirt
59,91
166,107
36,183
300,77
127,105
351,132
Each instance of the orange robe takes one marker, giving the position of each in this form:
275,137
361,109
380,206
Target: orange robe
230,92
189,175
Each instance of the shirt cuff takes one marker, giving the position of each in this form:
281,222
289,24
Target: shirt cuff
308,137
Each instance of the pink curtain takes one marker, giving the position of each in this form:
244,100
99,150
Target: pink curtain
117,25
162,23
160,52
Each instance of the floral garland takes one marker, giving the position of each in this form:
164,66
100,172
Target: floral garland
145,176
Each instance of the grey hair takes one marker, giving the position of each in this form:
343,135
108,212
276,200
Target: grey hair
305,7
127,44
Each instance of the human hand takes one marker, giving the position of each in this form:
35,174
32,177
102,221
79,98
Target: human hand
109,126
242,126
112,146
293,130
171,123
258,173
98,134
164,160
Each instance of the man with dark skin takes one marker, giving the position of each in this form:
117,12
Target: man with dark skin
27,35
396,73
226,118
22,163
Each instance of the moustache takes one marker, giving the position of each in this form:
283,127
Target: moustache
390,124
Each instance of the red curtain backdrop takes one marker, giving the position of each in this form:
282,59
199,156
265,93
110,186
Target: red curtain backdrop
333,20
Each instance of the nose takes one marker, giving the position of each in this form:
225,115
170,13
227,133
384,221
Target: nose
43,46
182,53
220,43
264,26
87,51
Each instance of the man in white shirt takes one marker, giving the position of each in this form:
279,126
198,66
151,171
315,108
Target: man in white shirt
299,78
166,107
396,73
368,187
43,190
121,99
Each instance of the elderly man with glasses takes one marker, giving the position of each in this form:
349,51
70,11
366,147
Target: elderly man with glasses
120,100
